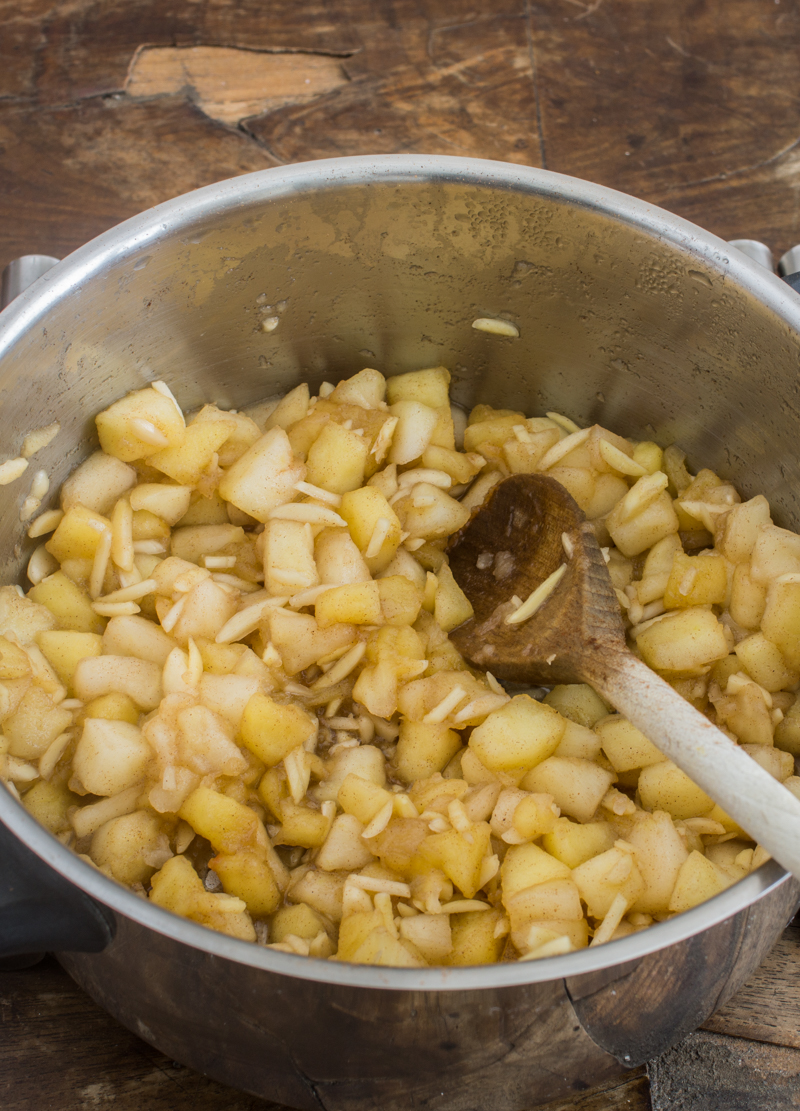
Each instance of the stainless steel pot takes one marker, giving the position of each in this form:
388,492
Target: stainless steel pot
628,316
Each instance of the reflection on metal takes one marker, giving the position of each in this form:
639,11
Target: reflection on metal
22,272
790,263
758,252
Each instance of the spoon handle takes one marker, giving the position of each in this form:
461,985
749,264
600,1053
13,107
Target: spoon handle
750,795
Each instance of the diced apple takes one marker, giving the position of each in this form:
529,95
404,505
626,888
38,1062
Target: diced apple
337,459
363,509
34,724
338,559
578,702
698,879
344,848
271,729
353,603
423,749
110,756
431,514
626,746
361,798
113,707
166,501
78,534
301,920
696,581
187,461
572,843
226,823
301,825
748,598
527,865
300,641
781,620
70,606
431,387
123,846
605,876
264,477
248,876
577,786
763,661
140,679
741,528
473,938
518,736
686,641
131,635
660,852
414,431
97,483
458,857
556,899
25,617
139,425
663,786
366,389
290,409
64,648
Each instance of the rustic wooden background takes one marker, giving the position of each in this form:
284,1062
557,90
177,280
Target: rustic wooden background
107,108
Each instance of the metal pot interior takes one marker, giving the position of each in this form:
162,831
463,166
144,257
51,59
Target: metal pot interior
627,316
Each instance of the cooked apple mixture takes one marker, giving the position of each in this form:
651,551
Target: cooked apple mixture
231,686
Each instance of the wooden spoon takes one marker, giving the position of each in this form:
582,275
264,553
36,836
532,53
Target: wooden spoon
526,530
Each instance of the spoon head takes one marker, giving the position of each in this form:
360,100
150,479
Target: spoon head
528,527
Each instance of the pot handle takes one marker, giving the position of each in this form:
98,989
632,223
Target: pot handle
41,911
788,266
22,272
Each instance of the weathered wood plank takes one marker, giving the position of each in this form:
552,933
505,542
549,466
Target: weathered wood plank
711,1072
230,84
79,170
691,108
60,1052
439,77
59,52
767,1008
686,105
631,1094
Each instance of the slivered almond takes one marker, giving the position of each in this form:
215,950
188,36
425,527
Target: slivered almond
46,522
537,598
379,534
342,668
334,500
563,422
619,461
100,564
246,621
308,513
443,708
147,432
380,821
388,887
613,917
557,452
12,469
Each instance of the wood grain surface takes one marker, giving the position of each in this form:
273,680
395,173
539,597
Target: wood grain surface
109,108
690,105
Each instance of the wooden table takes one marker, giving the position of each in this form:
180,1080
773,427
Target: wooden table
108,108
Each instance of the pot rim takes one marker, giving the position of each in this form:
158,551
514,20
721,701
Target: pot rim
146,230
